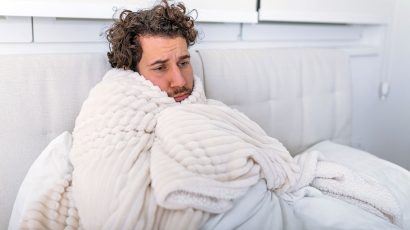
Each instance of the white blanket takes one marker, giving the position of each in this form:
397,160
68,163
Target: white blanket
264,210
340,182
111,155
206,156
143,161
133,163
204,143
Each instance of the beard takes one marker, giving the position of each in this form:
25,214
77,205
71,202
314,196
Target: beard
180,90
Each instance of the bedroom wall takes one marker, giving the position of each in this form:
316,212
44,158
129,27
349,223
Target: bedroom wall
385,130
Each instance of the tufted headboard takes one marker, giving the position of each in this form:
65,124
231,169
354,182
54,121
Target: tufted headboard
299,96
40,96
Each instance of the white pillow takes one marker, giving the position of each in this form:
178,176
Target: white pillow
50,166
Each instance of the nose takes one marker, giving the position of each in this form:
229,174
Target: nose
177,78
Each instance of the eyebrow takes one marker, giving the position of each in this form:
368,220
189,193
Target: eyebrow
165,60
184,57
158,62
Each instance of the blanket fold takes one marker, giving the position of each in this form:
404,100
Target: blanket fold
55,209
342,183
206,156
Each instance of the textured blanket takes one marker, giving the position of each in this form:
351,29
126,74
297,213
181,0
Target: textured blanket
342,183
142,161
204,145
206,156
134,166
111,155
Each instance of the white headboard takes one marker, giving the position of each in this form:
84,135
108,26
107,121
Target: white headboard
40,96
299,96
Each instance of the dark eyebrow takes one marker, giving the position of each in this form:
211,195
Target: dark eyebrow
158,62
166,60
184,57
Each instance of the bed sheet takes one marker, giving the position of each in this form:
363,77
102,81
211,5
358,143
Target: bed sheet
262,209
392,176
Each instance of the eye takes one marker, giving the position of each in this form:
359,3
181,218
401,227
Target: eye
160,68
184,63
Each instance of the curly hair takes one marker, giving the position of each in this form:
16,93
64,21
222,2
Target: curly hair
162,20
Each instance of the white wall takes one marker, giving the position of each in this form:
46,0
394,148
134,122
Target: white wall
387,123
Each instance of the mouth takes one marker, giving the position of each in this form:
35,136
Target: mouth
181,97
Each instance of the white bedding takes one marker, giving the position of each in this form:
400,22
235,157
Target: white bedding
317,211
261,209
392,176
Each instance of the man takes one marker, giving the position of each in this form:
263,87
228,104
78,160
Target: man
155,43
147,139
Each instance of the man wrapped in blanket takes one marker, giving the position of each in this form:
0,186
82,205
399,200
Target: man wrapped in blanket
151,152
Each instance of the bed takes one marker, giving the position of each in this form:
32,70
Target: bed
300,96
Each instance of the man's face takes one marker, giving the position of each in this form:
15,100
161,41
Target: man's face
166,63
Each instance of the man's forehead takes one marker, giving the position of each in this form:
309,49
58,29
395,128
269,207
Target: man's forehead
162,43
163,48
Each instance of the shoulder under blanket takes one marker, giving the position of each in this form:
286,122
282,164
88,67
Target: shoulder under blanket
118,145
111,155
